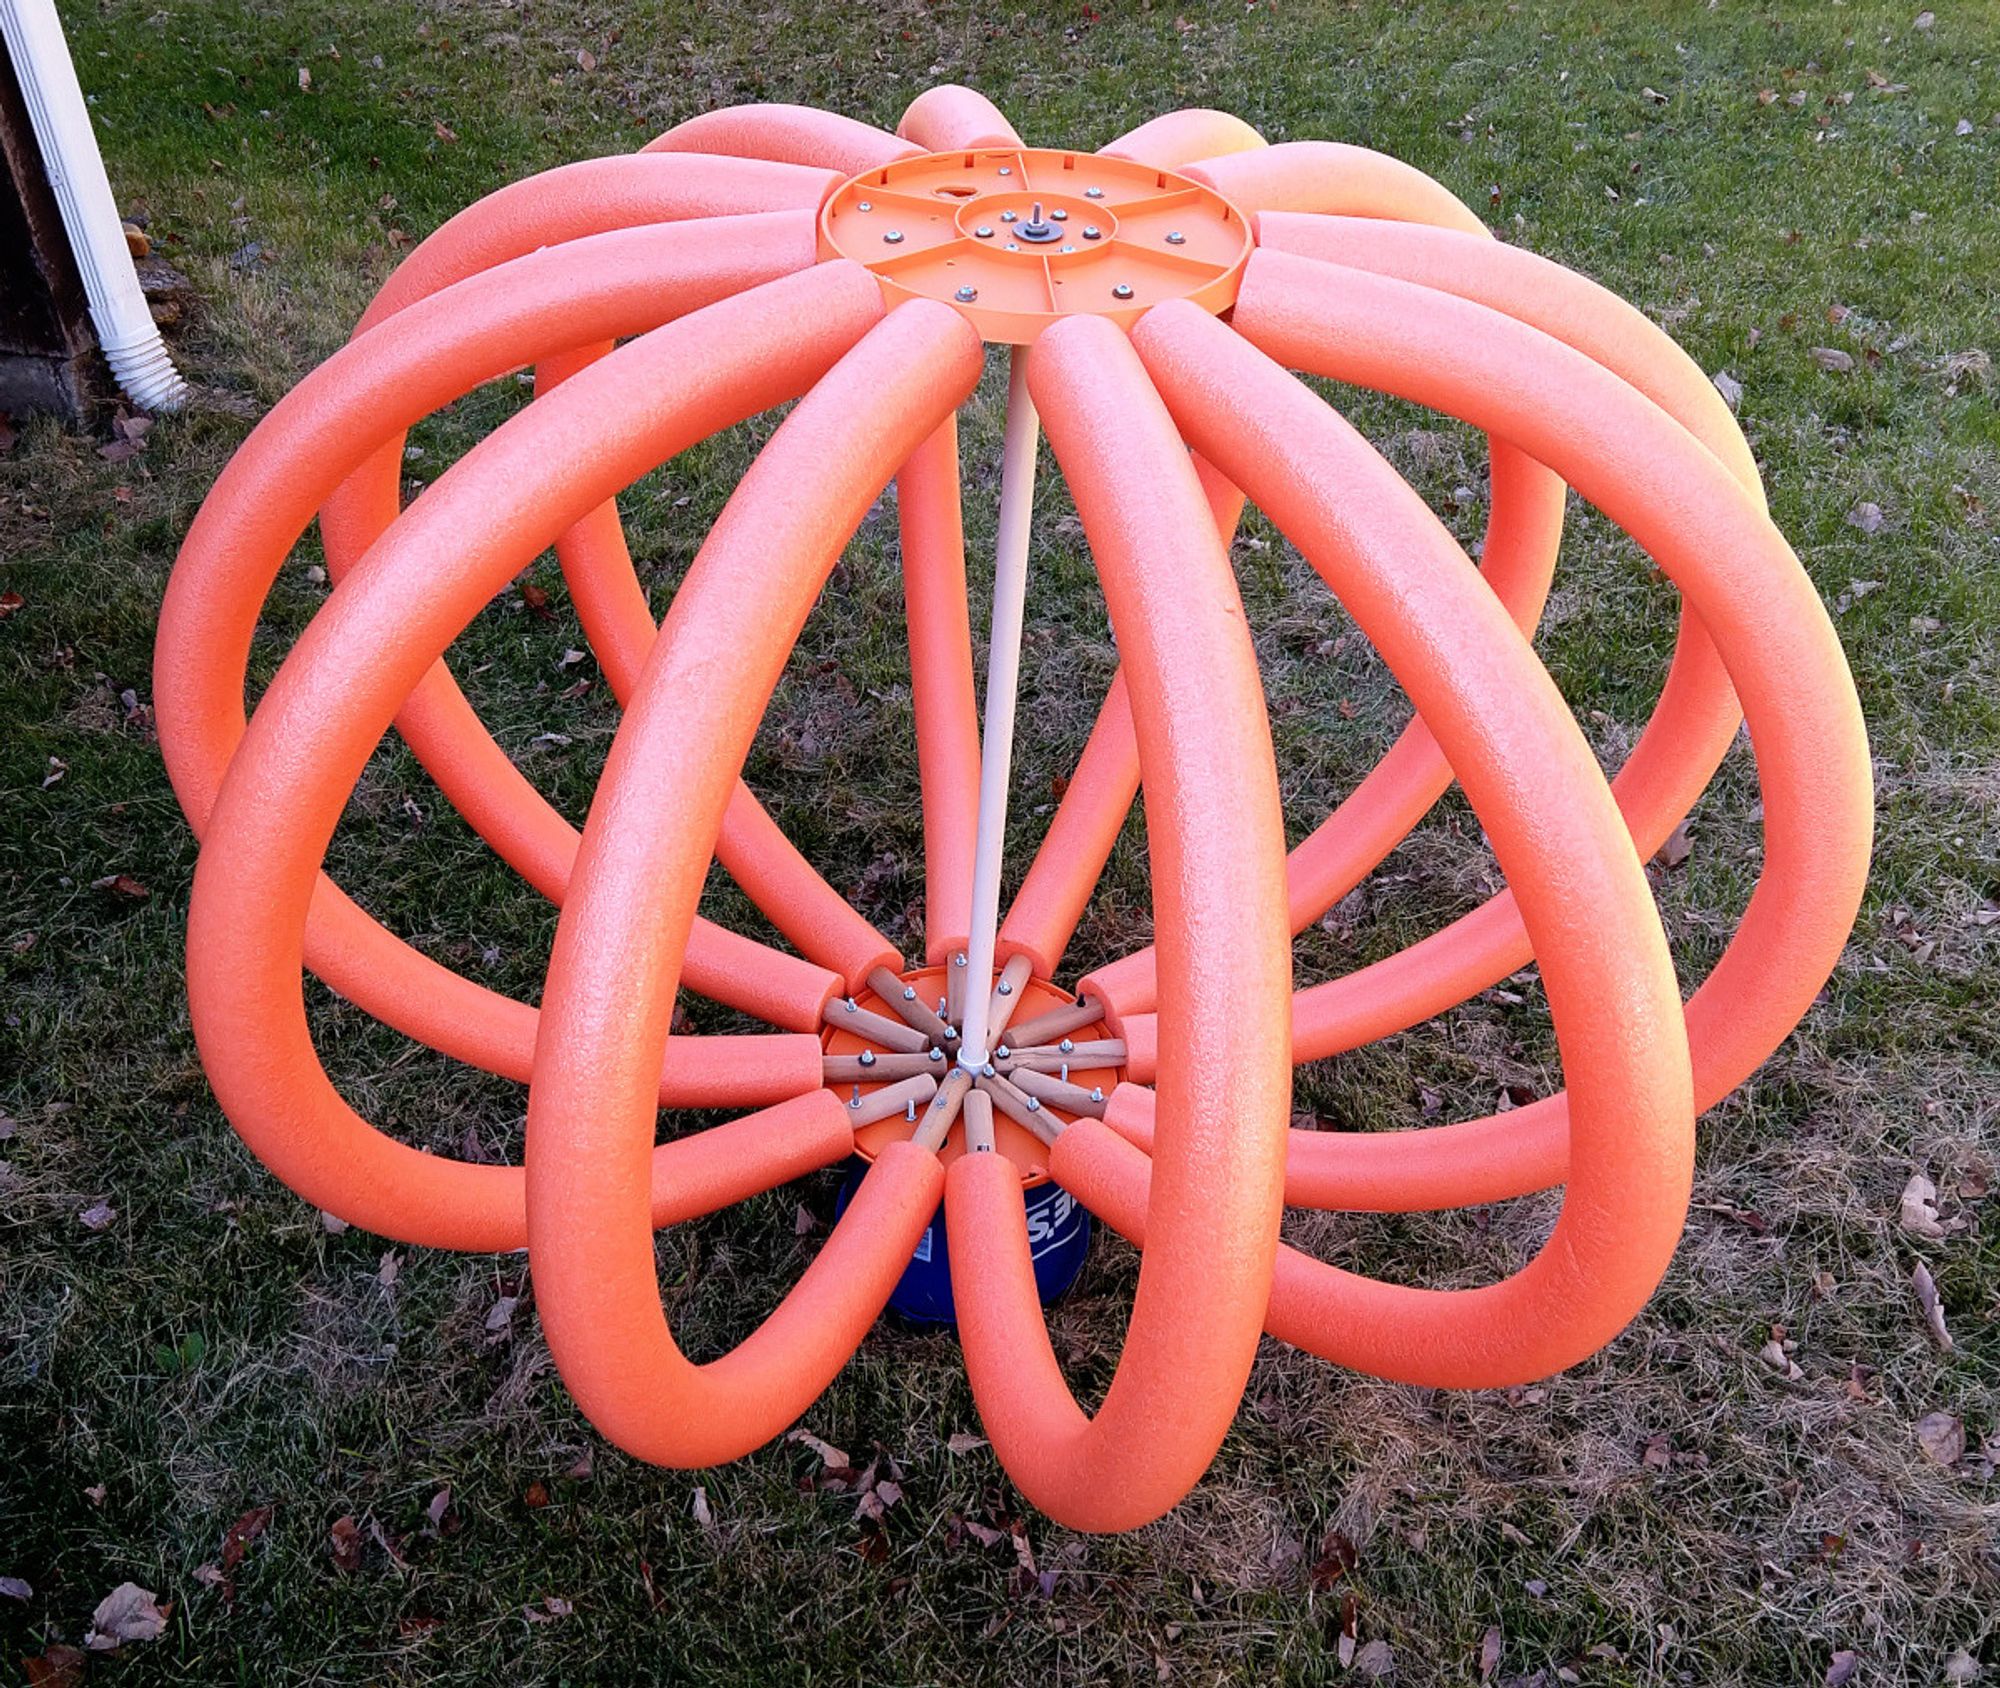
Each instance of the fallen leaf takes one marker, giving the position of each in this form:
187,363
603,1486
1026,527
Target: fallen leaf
97,1217
442,1518
964,1442
702,1515
501,1314
345,1540
1489,1653
1942,1436
580,1469
1919,1207
1841,1668
1924,20
829,1455
1375,1659
548,1611
1865,516
1961,1667
127,1613
305,80
443,130
1832,359
238,1537
585,59
331,1223
535,1496
1676,850
9,603
59,1667
1927,1299
1337,1556
1729,387
1773,1355
122,885
96,1494
16,1588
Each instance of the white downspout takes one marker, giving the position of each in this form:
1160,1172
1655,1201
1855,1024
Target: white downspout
118,311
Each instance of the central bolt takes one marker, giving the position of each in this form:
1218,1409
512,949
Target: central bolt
1038,229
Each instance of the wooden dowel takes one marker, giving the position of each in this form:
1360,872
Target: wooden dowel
1057,1022
877,1069
1071,1098
843,1015
891,1099
906,1005
1048,1057
935,1124
978,1115
955,971
1013,980
1043,1122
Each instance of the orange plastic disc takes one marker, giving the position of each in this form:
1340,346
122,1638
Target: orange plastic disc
1038,996
1016,237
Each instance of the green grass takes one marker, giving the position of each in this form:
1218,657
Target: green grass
214,1349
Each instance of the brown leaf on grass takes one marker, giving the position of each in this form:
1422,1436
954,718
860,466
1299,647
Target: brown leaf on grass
96,1494
331,1223
1865,516
1489,1653
1933,1310
59,1667
1774,1355
1675,851
1942,1436
500,1316
122,885
97,1217
1375,1659
443,130
1841,1667
537,601
1918,1207
548,1611
580,1469
1832,359
344,1543
127,1613
1337,1556
1729,387
964,1442
700,1508
586,60
443,1517
829,1455
16,1588
10,602
535,1496
237,1538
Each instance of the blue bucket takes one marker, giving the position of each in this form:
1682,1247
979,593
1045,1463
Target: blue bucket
1058,1239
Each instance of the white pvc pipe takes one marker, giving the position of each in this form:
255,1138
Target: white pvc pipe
1003,675
118,311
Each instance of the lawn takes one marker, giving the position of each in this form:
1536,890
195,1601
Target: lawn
343,1461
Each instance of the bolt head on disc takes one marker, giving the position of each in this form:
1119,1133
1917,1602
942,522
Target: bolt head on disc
972,230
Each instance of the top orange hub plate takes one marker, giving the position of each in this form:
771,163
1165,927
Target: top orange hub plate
1115,239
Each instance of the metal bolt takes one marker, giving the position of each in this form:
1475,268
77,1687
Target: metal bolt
1122,291
868,1057
1067,1046
1176,238
959,959
987,1070
1060,215
864,205
1010,247
1034,1104
894,237
1010,216
1093,193
853,1007
983,232
855,1100
1005,988
1097,1093
1063,1072
1006,169
1092,232
910,1111
1068,249
1002,1052
965,296
936,1054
